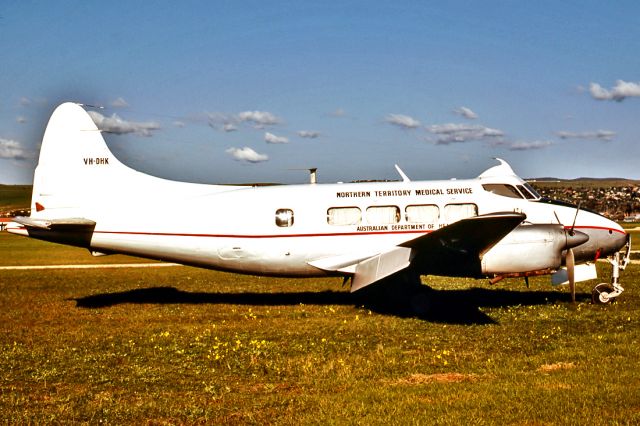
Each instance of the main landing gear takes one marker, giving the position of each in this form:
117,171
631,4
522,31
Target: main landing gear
604,293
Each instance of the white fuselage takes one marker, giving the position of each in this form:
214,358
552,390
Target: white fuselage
236,229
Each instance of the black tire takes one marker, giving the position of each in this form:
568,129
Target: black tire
599,291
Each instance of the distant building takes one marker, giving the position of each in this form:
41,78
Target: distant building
632,218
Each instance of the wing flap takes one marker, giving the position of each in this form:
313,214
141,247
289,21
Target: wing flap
366,268
342,263
380,266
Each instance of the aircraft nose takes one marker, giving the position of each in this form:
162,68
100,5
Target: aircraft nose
576,238
611,241
620,240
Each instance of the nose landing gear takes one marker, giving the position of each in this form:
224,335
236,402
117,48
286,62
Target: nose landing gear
604,293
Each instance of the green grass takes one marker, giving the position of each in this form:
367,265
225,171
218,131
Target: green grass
14,197
182,345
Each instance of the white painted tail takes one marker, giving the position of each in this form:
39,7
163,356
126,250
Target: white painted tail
78,175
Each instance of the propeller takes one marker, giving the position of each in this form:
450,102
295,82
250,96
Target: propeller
574,238
573,225
570,261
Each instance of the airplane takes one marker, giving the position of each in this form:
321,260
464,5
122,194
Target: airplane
494,226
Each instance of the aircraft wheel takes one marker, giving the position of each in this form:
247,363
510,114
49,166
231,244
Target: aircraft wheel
600,294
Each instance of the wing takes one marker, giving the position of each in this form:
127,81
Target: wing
471,236
456,250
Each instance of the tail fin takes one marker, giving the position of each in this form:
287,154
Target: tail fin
78,175
75,164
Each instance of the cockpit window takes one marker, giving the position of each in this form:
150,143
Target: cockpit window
528,195
532,190
502,189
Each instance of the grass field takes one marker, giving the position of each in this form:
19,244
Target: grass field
181,345
14,197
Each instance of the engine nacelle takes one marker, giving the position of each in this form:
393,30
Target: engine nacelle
530,248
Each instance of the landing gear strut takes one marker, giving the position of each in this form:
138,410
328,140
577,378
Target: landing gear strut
604,293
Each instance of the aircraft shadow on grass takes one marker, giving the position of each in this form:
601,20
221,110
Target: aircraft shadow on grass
444,306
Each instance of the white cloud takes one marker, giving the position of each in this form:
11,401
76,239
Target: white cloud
229,127
403,121
246,154
117,125
12,150
527,146
21,119
309,134
455,133
26,102
259,118
603,135
179,123
229,123
271,138
619,92
339,112
220,121
119,103
466,113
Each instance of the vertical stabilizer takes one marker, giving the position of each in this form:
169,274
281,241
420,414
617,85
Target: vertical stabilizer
74,164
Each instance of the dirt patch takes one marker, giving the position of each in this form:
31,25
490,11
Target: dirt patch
419,379
547,368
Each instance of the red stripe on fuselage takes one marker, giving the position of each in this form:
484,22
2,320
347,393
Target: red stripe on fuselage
342,234
602,228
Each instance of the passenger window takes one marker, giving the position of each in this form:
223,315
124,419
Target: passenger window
344,216
383,214
456,212
428,213
284,217
502,189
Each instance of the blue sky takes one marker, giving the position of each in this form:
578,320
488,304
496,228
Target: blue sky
228,92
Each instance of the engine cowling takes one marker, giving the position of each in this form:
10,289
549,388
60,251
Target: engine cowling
531,248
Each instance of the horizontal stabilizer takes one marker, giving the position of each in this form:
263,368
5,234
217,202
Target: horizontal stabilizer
50,224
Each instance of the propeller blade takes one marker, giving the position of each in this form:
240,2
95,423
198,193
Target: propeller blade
571,264
575,218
